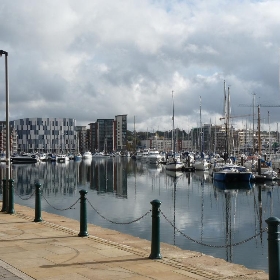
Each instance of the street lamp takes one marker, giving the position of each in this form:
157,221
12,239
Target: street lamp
7,117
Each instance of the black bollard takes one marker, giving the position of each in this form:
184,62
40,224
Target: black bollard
83,214
38,217
11,209
155,245
242,161
4,196
273,248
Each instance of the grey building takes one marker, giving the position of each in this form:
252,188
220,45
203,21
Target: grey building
121,132
46,134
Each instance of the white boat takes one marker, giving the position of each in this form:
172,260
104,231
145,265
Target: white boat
201,165
174,163
154,157
100,155
87,155
62,158
43,157
269,173
139,155
145,155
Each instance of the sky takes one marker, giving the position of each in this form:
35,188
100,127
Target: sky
89,60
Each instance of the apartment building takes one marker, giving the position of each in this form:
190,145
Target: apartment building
45,134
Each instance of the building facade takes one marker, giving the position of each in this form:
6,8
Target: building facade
120,132
46,134
82,136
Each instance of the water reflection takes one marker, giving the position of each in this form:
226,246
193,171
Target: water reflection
209,213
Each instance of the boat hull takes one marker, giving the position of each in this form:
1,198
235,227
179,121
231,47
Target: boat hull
225,176
18,160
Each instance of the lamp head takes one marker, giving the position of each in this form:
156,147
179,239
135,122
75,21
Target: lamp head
3,52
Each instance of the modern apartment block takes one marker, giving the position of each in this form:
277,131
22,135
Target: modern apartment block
46,134
108,134
13,138
82,136
121,132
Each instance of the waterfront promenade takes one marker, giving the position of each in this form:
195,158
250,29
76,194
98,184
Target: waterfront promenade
52,250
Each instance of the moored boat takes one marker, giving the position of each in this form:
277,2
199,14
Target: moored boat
62,158
232,173
24,159
87,155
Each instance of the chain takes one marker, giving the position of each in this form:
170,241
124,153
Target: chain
25,198
209,245
118,223
70,207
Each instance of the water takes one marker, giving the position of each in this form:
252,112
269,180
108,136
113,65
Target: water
196,215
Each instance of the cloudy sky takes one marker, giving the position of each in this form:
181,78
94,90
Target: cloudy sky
97,59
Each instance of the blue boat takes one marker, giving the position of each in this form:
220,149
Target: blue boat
232,173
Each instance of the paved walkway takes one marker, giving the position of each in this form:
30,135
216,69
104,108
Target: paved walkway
52,250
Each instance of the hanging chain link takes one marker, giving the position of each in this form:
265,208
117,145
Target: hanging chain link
209,245
70,207
118,223
24,198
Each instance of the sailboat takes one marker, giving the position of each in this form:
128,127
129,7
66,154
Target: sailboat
230,172
173,162
201,163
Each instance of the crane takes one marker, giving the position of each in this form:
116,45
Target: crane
259,119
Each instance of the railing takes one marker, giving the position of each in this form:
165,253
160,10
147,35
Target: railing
272,222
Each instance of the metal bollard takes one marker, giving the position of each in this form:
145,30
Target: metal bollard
38,217
11,209
273,248
4,196
155,245
83,214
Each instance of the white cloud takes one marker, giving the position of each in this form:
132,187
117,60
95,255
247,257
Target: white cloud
97,59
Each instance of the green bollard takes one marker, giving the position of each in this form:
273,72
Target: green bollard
11,209
4,196
155,245
83,214
38,217
273,248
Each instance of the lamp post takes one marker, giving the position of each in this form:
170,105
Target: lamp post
7,117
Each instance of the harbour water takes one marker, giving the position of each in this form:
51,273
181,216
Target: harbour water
195,215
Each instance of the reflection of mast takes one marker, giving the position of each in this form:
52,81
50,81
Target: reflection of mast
228,227
202,206
174,215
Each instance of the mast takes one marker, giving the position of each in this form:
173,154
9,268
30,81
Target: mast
173,132
200,126
134,136
226,112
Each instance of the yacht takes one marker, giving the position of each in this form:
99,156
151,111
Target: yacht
232,173
87,155
154,157
62,158
25,158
